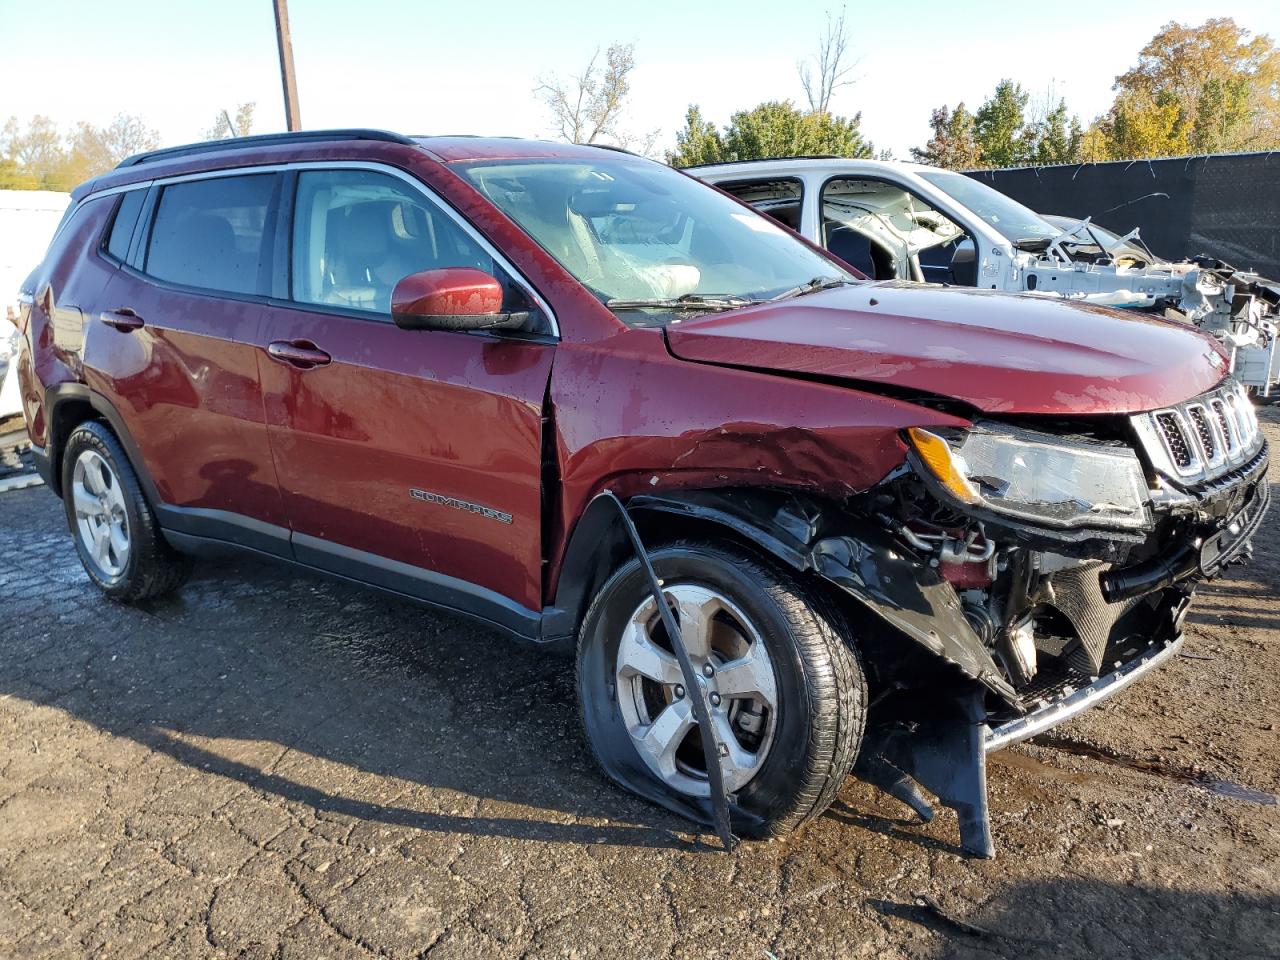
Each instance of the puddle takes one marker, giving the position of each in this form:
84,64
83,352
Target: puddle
1225,788
1221,788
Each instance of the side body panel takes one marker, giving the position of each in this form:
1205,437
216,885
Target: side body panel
378,450
68,285
186,386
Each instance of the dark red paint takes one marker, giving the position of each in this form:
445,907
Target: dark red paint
447,292
322,423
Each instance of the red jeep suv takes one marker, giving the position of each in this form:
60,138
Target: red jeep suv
893,526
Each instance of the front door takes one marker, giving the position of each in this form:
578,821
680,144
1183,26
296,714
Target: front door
409,458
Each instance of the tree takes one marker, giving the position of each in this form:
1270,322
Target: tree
225,126
1054,137
41,157
828,71
1000,126
954,144
1139,126
37,151
1220,86
699,141
774,129
588,106
12,177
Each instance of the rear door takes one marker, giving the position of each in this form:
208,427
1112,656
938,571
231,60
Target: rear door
174,347
409,458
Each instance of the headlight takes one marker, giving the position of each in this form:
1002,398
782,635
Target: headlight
1036,477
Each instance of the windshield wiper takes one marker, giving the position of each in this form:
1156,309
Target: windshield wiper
813,286
690,301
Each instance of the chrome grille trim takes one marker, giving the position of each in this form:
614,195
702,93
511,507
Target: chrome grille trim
1202,438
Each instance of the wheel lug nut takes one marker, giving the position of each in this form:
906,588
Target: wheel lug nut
715,699
708,670
679,692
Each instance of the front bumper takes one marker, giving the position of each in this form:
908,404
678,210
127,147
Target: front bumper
1073,701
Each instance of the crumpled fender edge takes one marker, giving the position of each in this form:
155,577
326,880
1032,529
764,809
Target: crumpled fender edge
871,567
912,598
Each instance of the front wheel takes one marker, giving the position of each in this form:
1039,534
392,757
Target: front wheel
786,689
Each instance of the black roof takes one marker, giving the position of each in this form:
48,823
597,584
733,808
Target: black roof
262,140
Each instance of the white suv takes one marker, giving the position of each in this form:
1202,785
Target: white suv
905,221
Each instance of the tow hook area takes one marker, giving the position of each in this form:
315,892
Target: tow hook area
946,754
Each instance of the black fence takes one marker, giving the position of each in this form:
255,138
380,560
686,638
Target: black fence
1227,205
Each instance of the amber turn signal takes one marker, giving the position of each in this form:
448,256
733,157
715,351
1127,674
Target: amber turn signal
936,455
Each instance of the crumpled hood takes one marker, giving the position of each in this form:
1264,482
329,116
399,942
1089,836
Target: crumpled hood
1002,353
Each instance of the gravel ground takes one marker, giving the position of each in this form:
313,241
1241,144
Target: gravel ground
275,765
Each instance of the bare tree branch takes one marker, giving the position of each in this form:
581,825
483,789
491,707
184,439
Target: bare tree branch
822,75
587,107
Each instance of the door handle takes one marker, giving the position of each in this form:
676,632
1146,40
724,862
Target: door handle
302,354
122,319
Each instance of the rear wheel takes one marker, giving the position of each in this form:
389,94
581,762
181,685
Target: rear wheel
113,526
786,689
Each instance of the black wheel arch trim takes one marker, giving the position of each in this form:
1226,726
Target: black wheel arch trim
56,397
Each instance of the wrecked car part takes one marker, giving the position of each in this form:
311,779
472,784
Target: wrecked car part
695,686
1203,557
946,754
1077,700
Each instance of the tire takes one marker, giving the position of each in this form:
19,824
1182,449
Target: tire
137,563
807,741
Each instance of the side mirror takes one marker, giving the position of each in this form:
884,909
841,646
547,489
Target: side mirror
451,298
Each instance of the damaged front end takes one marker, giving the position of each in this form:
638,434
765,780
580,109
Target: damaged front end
1043,571
1240,309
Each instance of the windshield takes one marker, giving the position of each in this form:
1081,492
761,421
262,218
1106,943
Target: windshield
633,230
1010,219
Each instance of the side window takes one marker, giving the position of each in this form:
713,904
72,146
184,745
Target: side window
357,233
122,224
779,198
214,234
889,233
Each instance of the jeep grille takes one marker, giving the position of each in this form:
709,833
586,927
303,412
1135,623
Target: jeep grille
1203,438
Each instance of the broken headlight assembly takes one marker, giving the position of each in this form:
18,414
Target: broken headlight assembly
1035,478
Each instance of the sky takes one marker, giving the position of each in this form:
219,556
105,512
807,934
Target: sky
422,67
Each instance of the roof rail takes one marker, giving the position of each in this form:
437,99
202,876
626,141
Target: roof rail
261,140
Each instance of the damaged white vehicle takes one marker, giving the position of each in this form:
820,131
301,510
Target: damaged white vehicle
906,221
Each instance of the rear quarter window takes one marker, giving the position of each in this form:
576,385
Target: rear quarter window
215,234
122,224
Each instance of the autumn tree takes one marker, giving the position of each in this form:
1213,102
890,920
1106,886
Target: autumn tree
1212,88
35,150
1225,85
829,68
588,107
241,125
43,157
954,144
774,129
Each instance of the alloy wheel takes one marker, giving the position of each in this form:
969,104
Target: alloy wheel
733,665
102,523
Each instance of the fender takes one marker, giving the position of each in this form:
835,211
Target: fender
57,397
869,565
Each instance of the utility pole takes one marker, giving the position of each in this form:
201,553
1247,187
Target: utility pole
293,119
